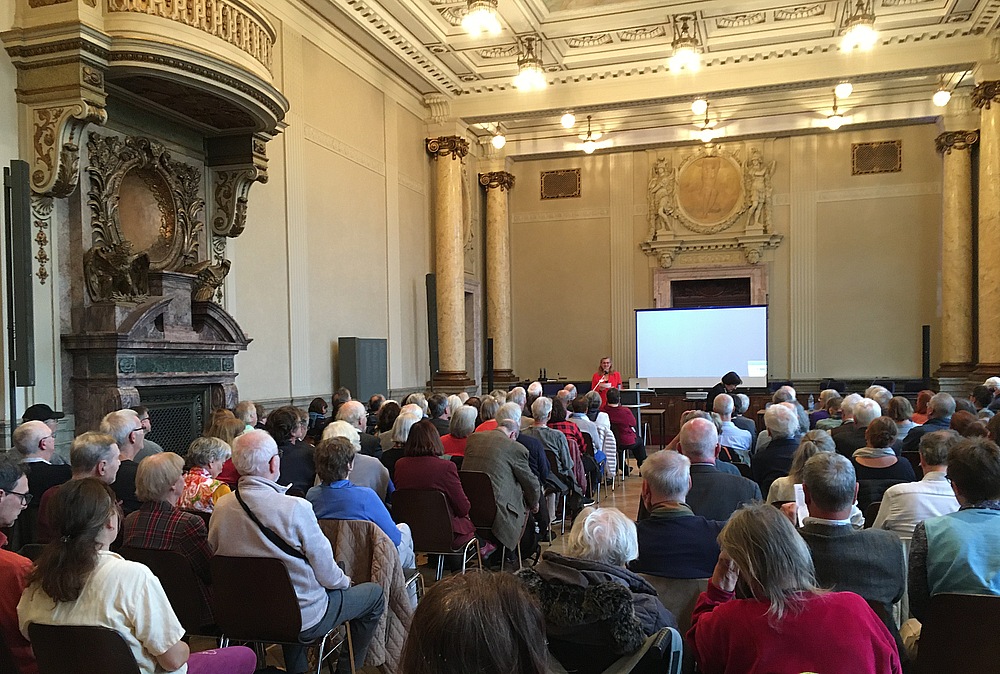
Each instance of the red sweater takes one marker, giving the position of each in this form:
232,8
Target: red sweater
833,633
14,570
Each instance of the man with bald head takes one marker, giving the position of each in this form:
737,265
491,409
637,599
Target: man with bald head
714,494
35,442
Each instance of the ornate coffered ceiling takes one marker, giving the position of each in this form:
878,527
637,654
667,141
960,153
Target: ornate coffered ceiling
767,61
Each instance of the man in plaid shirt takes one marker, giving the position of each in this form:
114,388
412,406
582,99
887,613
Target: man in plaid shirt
159,525
559,422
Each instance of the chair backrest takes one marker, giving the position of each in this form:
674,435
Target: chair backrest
203,515
429,516
80,649
253,600
914,459
678,595
478,487
7,663
871,512
870,491
588,442
745,470
178,580
959,634
457,460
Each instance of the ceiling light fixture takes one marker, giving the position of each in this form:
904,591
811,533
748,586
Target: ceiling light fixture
843,90
499,139
685,44
706,134
589,144
568,120
859,28
481,17
530,76
836,120
942,95
699,106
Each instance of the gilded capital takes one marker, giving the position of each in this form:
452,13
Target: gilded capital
956,140
495,179
455,146
985,93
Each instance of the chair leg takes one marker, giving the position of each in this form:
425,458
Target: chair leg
350,646
563,524
440,569
520,564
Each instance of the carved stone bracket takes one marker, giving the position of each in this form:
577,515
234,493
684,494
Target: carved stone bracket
454,146
55,143
985,93
495,179
667,251
956,140
236,164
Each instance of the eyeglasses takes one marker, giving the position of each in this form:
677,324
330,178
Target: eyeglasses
136,430
25,497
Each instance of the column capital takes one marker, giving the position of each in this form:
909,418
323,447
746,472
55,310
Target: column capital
956,140
443,146
985,93
495,179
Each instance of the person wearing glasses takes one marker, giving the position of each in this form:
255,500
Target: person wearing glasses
14,569
35,442
127,430
148,446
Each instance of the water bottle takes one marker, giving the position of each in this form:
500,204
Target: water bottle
812,402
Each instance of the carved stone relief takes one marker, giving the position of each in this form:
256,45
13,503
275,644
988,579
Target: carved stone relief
145,215
41,214
56,134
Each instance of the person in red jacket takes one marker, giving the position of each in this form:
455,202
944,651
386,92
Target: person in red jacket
604,379
789,625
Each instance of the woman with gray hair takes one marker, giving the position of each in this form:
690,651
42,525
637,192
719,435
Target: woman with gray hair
205,458
788,625
462,425
596,610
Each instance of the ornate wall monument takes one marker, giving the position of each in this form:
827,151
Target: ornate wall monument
712,200
140,211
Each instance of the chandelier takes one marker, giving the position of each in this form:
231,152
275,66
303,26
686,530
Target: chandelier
685,45
530,76
859,28
481,17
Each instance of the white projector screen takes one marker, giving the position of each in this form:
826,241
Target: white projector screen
693,348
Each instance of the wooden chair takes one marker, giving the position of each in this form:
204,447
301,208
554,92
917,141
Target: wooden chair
253,601
429,516
182,586
479,488
80,649
959,634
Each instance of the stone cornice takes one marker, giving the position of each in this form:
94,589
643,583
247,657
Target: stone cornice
956,140
986,93
495,179
454,146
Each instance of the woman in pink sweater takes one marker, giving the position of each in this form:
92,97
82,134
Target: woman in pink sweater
790,625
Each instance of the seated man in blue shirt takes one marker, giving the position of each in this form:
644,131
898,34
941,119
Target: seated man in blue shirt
338,499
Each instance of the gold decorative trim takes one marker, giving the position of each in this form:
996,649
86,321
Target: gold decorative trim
956,140
495,179
444,146
550,188
55,142
41,212
233,21
985,93
865,158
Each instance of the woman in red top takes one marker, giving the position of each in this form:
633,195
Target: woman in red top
422,467
461,427
790,625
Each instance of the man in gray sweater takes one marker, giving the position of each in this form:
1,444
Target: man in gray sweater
324,592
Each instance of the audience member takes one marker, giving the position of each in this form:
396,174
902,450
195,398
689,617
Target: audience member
487,412
741,403
48,416
625,429
578,415
325,595
900,411
920,409
788,624
124,427
674,542
596,610
820,413
846,414
288,428
729,382
422,468
476,622
439,413
732,436
227,429
555,442
374,405
785,395
460,427
833,412
202,489
877,465
261,416
148,446
880,395
582,462
939,410
419,401
981,397
246,412
368,471
90,455
775,460
782,490
852,436
336,498
387,414
35,444
515,487
907,504
79,581
317,418
355,414
538,462
868,562
340,396
967,425
14,569
714,494
400,432
158,524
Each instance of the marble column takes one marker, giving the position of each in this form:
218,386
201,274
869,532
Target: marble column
956,257
986,96
497,184
447,153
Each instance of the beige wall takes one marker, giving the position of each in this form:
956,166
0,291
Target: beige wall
851,307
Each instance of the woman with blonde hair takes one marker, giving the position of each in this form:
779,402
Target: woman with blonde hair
811,444
788,625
